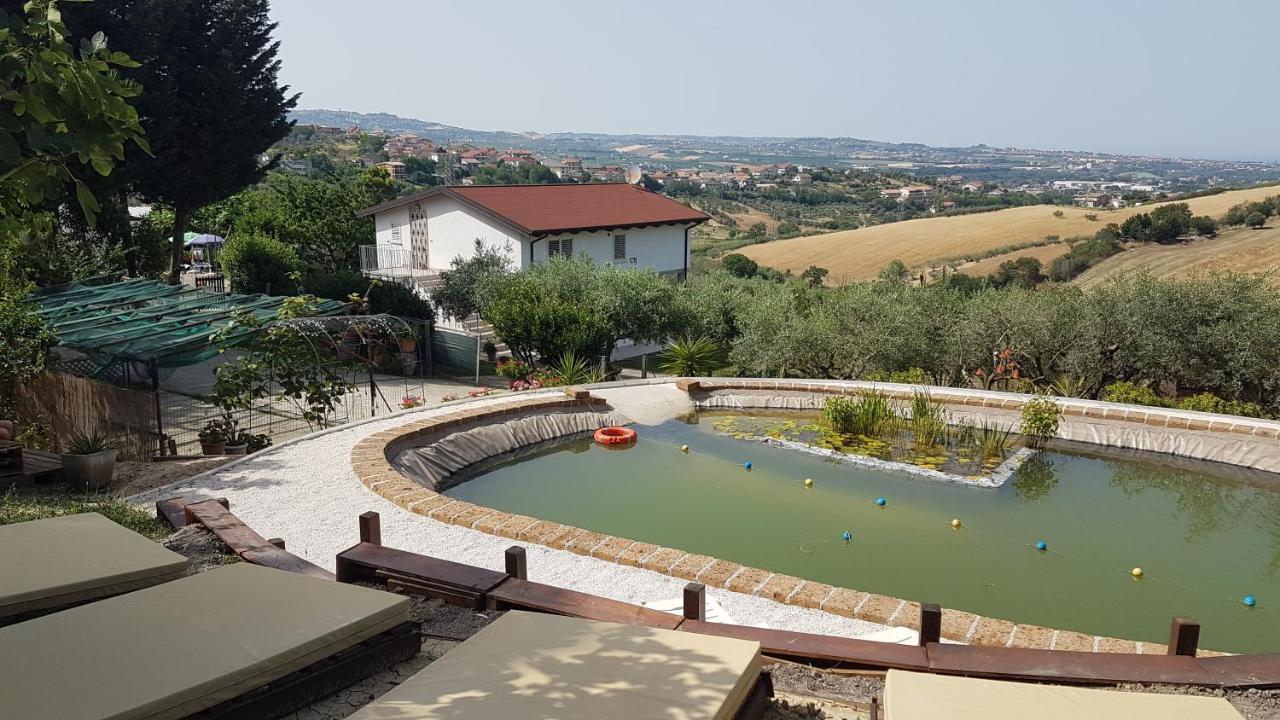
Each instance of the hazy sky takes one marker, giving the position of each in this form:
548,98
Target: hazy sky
1195,78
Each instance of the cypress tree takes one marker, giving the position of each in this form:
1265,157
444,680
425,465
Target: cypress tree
211,102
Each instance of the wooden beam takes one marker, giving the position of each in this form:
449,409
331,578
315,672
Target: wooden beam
174,511
930,623
371,528
1184,636
246,543
695,601
517,562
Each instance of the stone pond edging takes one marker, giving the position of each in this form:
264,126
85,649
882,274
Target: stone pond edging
370,461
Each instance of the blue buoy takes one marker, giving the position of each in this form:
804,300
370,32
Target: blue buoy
880,501
1042,545
847,536
747,464
1250,600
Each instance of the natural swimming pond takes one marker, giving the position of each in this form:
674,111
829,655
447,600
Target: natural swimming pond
1206,535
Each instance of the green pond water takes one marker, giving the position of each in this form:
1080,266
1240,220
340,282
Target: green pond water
1206,535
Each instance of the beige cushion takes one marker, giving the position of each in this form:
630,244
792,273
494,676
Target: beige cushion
921,696
171,650
525,665
75,558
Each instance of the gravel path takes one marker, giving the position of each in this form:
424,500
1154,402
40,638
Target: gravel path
306,492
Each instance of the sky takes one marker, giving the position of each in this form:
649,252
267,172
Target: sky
1187,78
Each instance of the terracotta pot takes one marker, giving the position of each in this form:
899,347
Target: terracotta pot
408,345
213,448
241,449
92,471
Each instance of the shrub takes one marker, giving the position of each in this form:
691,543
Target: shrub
256,263
1255,220
382,297
1208,402
739,265
692,357
1130,393
1040,419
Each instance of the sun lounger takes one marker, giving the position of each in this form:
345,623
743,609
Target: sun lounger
68,560
526,666
239,641
921,696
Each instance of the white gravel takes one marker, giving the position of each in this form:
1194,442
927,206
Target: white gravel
306,492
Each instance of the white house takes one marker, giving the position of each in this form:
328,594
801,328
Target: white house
421,234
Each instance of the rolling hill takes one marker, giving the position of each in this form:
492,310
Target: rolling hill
1240,249
853,255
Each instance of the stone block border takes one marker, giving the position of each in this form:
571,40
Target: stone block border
370,461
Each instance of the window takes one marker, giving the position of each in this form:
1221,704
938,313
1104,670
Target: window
619,247
560,247
395,233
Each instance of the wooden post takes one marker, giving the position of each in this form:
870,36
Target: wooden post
278,542
644,366
517,562
930,623
875,709
371,528
1184,636
695,601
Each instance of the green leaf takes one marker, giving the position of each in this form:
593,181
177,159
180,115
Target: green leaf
88,203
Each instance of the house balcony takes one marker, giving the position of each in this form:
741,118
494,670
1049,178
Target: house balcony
392,262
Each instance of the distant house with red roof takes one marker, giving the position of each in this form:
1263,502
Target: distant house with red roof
420,234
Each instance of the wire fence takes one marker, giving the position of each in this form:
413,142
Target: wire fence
369,375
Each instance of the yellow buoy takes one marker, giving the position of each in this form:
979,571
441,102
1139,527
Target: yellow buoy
955,523
1136,572
808,482
684,448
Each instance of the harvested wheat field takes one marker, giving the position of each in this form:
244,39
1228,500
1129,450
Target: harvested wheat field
1045,254
859,254
1240,249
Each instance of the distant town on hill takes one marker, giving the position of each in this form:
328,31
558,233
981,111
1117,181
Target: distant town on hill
1009,166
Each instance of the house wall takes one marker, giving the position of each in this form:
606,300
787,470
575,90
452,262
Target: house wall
661,248
453,228
452,231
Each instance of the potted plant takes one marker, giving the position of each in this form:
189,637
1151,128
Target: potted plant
237,443
491,351
257,442
408,343
90,460
213,438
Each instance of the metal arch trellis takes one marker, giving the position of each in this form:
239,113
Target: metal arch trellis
344,335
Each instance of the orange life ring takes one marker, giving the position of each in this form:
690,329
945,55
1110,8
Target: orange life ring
615,435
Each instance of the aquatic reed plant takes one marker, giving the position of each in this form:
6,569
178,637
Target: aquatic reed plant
991,440
870,415
928,423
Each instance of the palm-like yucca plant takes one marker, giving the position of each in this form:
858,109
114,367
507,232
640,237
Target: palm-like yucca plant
692,357
573,370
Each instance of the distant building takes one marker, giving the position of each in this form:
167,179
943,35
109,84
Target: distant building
297,167
394,168
908,193
1093,200
802,179
418,235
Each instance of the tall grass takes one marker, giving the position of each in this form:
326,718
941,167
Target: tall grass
870,415
928,422
991,440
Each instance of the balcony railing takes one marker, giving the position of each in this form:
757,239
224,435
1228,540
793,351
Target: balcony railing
390,261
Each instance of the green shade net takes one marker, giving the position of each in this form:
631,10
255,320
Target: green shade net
150,321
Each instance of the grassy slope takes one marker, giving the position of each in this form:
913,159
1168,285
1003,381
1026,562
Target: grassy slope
1045,254
1242,249
859,254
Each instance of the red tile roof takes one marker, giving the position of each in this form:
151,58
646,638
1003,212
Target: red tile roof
549,209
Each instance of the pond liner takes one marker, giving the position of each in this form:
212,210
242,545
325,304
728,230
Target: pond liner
439,463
